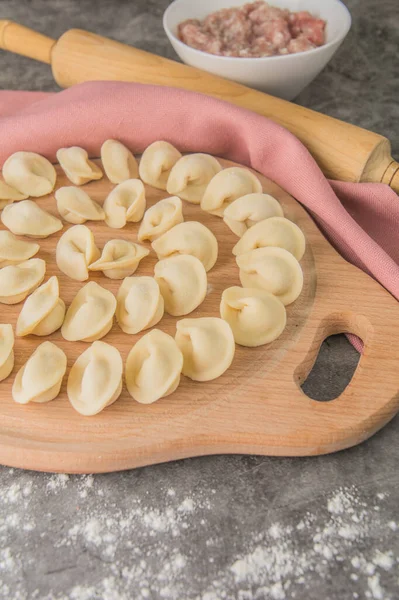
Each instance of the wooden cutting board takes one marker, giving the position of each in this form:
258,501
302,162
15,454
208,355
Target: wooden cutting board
256,407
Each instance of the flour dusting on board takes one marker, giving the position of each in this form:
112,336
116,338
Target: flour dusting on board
139,547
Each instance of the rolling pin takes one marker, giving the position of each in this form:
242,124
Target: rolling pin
343,151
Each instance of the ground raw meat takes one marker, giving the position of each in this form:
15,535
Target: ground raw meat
253,30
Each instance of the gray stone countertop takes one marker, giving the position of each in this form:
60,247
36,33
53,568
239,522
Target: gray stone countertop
223,527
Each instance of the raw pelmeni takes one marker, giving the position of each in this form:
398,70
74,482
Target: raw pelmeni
76,206
119,259
90,314
30,174
156,163
27,218
125,204
140,304
276,231
153,367
190,176
76,250
183,283
6,350
43,311
160,217
255,316
14,251
207,345
190,237
8,195
76,165
272,269
227,186
95,379
244,212
40,379
18,281
118,162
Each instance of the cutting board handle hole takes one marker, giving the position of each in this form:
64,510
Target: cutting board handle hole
333,369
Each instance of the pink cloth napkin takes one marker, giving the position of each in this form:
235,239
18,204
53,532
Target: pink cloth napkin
361,220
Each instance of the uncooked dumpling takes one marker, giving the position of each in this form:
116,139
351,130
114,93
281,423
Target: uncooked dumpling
227,186
125,204
76,206
90,315
29,173
161,217
207,345
153,367
156,163
244,212
18,281
76,250
43,311
27,218
276,231
6,350
140,304
8,195
119,259
192,238
14,251
118,162
190,176
76,165
183,283
255,316
95,379
272,269
40,379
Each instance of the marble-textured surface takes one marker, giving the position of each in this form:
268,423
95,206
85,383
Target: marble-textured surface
217,527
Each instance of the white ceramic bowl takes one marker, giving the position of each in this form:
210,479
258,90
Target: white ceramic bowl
284,76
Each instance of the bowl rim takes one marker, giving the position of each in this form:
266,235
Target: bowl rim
243,59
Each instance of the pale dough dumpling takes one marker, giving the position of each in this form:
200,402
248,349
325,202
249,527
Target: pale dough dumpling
6,350
76,206
255,316
125,204
156,163
8,195
207,345
161,217
76,165
18,281
76,250
43,311
272,269
90,314
29,173
227,186
95,379
276,231
27,218
118,162
140,304
190,176
153,367
244,212
190,237
119,259
14,251
40,379
183,283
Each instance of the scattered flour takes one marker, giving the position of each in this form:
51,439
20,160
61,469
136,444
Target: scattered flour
141,551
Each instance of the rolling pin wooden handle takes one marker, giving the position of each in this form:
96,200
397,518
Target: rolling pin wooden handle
22,40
